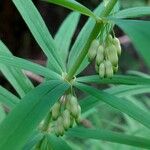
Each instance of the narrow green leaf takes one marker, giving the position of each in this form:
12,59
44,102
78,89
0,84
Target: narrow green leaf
117,79
81,40
123,90
64,35
133,12
57,142
75,6
8,99
33,140
110,136
29,113
121,104
88,103
15,76
120,91
137,31
27,65
2,113
40,32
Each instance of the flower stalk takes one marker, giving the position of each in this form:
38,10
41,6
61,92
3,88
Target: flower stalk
92,36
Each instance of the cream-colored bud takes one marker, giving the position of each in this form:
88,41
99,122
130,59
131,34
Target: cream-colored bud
100,55
102,70
59,125
56,110
66,119
93,50
117,45
72,105
109,69
111,54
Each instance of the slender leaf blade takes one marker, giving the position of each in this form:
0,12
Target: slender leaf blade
117,79
2,113
81,40
24,64
121,104
56,143
7,98
75,6
65,33
29,113
119,91
15,76
133,12
40,32
110,136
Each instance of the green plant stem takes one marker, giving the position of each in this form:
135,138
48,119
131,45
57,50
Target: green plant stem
92,36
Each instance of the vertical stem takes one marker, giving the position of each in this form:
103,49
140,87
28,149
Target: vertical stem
92,36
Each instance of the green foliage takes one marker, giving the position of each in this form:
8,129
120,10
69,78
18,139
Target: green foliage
24,117
29,123
74,5
137,31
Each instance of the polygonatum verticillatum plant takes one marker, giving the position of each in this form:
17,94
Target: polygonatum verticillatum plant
53,115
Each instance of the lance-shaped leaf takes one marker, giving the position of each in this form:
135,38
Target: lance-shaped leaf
110,136
23,119
81,41
65,33
40,32
27,65
123,105
15,76
133,12
2,113
117,79
119,91
56,143
8,99
74,5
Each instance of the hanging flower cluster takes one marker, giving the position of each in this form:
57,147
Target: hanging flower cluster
105,55
65,113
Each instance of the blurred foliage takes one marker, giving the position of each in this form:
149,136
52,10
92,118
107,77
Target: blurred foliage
129,3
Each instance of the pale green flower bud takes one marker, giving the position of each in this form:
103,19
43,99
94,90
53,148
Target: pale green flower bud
102,70
78,119
100,55
59,125
79,110
110,38
56,110
66,119
93,50
74,106
111,54
117,45
109,69
61,130
56,131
